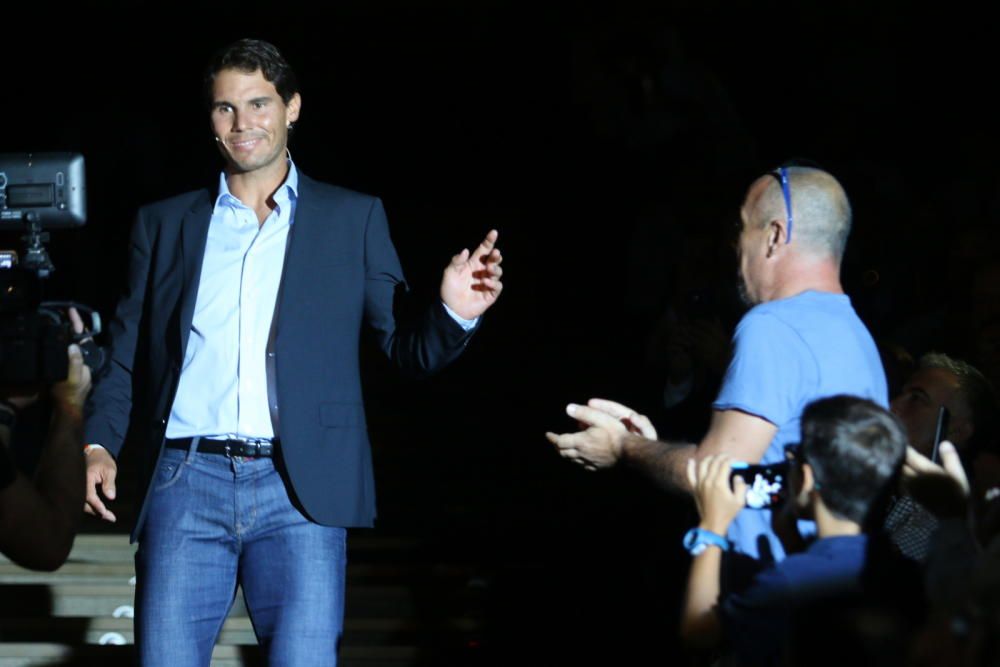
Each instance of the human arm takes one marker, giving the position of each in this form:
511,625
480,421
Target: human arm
39,518
421,342
718,504
606,441
752,400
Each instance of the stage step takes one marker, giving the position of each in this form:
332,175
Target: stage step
57,599
403,608
62,655
235,631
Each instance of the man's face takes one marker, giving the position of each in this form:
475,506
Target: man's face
750,250
250,120
918,403
743,284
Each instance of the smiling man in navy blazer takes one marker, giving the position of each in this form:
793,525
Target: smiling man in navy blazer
235,372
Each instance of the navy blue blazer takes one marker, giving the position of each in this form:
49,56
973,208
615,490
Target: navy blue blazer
341,271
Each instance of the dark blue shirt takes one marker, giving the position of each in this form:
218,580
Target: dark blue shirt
756,621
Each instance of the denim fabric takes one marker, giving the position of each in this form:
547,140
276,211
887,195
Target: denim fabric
213,523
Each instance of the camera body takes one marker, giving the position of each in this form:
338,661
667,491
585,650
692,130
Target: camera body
38,191
767,484
33,339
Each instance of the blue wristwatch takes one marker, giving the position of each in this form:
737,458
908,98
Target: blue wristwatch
697,540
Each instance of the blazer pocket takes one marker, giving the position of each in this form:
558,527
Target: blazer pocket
334,415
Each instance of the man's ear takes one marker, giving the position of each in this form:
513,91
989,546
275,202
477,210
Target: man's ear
802,484
776,235
293,108
808,479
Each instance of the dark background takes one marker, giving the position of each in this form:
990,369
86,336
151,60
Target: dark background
594,137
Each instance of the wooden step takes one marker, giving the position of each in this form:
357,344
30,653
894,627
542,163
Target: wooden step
405,606
90,655
102,548
69,599
235,631
96,573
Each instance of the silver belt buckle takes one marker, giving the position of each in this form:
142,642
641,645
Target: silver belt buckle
256,443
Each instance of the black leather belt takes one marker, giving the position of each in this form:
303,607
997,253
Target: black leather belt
228,448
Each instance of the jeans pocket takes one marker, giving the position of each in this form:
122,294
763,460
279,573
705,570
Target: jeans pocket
168,471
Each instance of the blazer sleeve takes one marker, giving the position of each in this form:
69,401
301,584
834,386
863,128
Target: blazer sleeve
419,347
110,403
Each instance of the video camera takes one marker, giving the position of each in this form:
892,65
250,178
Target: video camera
39,191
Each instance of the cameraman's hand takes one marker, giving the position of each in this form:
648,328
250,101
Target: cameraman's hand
70,394
101,470
718,501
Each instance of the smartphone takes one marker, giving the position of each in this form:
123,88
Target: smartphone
767,484
940,431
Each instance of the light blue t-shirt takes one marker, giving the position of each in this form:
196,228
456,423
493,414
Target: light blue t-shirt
786,354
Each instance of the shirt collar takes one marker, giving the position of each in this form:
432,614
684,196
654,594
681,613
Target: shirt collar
289,190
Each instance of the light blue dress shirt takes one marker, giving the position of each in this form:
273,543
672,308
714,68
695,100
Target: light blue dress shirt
223,384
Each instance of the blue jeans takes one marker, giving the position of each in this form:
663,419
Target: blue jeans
215,522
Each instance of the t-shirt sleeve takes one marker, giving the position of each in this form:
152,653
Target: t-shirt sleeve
765,377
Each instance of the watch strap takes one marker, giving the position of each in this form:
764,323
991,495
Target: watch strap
697,540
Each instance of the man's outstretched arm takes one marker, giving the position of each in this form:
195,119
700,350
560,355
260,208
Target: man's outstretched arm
611,436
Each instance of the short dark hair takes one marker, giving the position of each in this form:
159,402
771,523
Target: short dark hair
856,449
250,55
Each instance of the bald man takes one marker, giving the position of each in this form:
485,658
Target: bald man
800,341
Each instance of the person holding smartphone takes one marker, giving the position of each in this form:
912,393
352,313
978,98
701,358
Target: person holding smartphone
945,398
851,452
